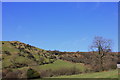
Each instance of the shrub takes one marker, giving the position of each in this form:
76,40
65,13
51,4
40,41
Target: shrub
8,73
7,52
46,73
31,74
5,71
11,75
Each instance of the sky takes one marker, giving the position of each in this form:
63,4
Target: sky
63,26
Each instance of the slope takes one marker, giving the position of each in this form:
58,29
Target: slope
107,74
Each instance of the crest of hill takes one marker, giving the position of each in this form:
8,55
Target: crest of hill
17,46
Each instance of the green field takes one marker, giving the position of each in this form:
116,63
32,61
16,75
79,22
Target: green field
59,64
107,74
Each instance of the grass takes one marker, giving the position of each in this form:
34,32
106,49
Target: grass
107,74
6,62
17,59
8,47
60,64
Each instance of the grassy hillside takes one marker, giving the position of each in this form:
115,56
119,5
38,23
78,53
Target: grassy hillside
19,57
6,46
20,60
59,67
107,74
62,64
93,60
17,53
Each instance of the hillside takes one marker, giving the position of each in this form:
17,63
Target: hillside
17,54
59,67
20,60
19,57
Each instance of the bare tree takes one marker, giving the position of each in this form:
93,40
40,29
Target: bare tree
101,46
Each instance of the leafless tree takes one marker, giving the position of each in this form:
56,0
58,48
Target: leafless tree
101,46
